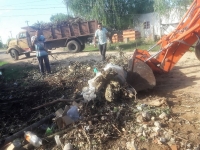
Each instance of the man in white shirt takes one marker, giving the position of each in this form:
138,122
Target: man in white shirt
102,34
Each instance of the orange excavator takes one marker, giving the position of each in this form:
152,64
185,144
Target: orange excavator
143,66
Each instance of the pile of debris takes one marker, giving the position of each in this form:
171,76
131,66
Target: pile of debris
83,105
71,20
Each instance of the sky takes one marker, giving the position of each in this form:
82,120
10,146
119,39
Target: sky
15,14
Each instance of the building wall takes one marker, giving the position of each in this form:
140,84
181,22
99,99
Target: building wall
158,25
154,25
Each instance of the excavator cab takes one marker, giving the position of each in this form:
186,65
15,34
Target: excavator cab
143,66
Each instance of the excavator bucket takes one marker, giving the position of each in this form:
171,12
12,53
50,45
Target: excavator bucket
140,76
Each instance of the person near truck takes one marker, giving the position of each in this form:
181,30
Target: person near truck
101,34
41,52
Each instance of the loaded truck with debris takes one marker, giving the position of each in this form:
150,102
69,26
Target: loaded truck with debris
143,66
71,35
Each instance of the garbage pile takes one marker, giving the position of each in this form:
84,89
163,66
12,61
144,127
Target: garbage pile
84,106
71,20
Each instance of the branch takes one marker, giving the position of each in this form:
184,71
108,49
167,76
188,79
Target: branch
56,101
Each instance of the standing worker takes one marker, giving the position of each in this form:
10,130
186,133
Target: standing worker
41,52
102,34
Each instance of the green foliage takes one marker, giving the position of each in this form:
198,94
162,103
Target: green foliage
57,18
113,13
143,6
1,44
130,46
164,7
2,63
9,40
39,24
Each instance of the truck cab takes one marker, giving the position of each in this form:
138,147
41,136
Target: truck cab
21,45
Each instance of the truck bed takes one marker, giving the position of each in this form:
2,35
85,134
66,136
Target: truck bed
64,31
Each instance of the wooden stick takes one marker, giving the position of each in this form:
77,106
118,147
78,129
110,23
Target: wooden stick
88,139
56,101
116,128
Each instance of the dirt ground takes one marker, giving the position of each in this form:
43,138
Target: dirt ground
180,88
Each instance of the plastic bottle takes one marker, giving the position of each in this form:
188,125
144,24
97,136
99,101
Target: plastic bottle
48,131
33,139
17,143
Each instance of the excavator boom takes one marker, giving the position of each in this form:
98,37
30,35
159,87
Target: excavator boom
172,47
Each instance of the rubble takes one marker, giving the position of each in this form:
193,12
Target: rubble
89,123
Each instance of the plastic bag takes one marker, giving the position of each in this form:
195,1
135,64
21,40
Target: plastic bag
119,70
89,92
73,113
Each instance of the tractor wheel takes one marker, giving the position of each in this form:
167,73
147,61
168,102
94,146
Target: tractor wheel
27,55
73,46
14,54
197,50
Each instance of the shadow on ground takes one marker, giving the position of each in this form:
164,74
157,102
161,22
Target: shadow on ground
175,80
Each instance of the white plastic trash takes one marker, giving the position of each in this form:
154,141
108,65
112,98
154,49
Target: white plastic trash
33,139
68,146
119,70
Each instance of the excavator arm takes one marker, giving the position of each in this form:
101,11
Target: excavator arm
172,47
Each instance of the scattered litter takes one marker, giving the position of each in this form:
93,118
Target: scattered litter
17,143
95,70
62,119
68,146
101,120
163,115
146,116
58,142
157,124
131,145
141,106
73,113
33,139
162,140
48,131
121,74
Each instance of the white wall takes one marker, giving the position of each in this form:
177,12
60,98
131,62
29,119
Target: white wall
158,25
154,21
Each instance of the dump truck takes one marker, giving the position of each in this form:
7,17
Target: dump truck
71,35
143,66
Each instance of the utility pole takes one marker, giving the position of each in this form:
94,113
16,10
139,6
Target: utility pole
27,22
67,7
10,34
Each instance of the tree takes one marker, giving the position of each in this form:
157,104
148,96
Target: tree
1,44
113,13
40,24
164,7
57,18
